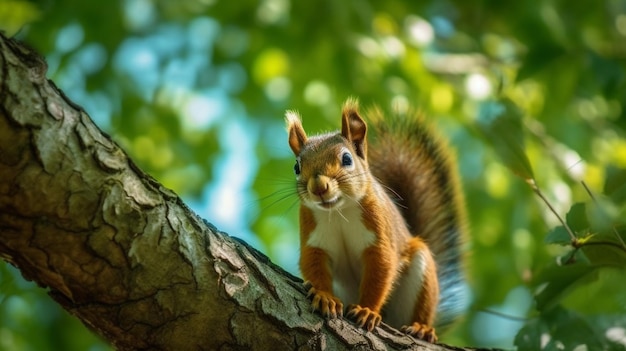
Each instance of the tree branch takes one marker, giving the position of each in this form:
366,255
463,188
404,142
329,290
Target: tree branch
124,254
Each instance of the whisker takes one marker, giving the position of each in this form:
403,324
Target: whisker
357,202
392,191
278,192
279,200
342,215
277,197
280,180
293,203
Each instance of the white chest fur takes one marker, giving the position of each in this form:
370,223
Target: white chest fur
344,238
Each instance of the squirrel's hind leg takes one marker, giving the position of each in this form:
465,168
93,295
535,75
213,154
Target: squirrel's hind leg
419,287
428,296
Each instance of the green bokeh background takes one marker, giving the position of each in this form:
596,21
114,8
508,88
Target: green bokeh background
195,91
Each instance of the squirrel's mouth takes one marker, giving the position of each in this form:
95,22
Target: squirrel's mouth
330,203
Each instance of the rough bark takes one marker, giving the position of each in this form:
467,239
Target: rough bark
124,254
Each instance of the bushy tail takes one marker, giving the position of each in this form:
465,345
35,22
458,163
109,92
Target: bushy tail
408,157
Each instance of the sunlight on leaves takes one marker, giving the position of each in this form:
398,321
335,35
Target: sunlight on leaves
271,63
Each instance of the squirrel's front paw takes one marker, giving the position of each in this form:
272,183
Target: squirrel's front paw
325,302
420,331
364,317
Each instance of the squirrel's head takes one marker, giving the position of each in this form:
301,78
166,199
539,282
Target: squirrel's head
331,169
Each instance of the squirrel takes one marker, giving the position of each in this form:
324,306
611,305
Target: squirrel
381,226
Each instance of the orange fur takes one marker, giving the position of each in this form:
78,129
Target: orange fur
355,242
380,263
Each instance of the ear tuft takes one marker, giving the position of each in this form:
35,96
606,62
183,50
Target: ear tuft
351,104
297,136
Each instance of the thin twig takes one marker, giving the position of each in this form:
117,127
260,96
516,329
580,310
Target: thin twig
601,243
588,190
504,315
537,191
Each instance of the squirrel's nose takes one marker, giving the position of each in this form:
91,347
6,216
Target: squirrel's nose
318,186
321,190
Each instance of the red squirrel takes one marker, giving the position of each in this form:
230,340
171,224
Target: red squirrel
381,225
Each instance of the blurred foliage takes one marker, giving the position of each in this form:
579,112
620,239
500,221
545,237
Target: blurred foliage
195,91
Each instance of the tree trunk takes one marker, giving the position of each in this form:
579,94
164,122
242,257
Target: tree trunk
124,254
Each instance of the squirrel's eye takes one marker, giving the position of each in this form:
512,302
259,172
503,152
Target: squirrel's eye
346,159
296,168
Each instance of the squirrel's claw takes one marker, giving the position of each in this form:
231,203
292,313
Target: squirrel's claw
364,317
420,331
324,302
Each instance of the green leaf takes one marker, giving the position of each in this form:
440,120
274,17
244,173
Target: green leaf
615,184
576,218
555,282
501,124
610,286
606,254
558,235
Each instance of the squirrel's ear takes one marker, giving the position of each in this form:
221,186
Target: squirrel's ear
353,127
297,136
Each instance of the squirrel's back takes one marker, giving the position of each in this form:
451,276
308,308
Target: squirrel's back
409,158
